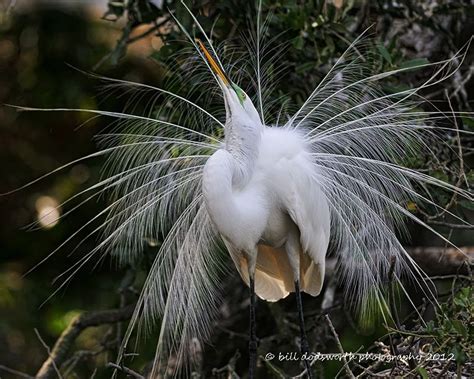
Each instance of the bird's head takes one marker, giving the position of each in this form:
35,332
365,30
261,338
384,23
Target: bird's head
238,105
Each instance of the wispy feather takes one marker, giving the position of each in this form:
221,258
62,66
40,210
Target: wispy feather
360,140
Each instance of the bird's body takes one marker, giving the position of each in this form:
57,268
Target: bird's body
276,196
259,209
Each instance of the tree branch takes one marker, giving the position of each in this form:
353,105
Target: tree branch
148,32
45,345
15,372
339,346
451,225
442,261
126,370
76,326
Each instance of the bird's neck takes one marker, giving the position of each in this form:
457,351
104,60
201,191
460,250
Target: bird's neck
218,191
243,144
226,171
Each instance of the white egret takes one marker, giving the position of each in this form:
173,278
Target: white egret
261,193
275,193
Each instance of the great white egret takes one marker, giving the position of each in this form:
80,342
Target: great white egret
274,192
267,205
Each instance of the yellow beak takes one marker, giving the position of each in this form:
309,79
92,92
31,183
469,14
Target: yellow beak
214,66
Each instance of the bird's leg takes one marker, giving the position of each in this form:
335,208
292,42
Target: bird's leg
304,339
293,249
253,332
251,265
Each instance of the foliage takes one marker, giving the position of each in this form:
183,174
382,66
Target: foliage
453,327
35,44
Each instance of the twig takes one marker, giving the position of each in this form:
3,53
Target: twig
125,370
125,286
393,309
461,178
368,370
229,368
462,173
451,276
276,371
233,334
148,32
56,369
125,40
443,261
16,372
69,364
463,82
451,225
76,326
339,346
444,370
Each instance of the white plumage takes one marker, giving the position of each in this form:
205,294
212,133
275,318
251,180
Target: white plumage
275,195
275,213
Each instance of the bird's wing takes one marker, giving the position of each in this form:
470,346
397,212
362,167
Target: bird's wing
308,208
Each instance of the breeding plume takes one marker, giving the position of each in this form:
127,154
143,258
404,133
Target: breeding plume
262,194
275,184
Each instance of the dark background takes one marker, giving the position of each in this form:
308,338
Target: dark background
41,40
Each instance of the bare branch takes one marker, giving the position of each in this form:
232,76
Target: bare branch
76,326
15,372
154,28
442,261
339,346
125,370
451,226
49,354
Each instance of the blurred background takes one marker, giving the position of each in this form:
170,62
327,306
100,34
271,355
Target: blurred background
44,46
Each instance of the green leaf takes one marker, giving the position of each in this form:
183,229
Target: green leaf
459,301
469,121
339,28
413,63
330,44
304,67
459,327
459,354
422,371
466,204
395,88
430,327
384,52
298,43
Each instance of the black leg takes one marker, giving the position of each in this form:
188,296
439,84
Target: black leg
253,332
304,339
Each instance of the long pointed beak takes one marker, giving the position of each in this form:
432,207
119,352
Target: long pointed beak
214,65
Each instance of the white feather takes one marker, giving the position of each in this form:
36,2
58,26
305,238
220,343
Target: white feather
335,170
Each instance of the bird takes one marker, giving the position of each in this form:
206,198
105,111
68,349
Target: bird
267,206
277,194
